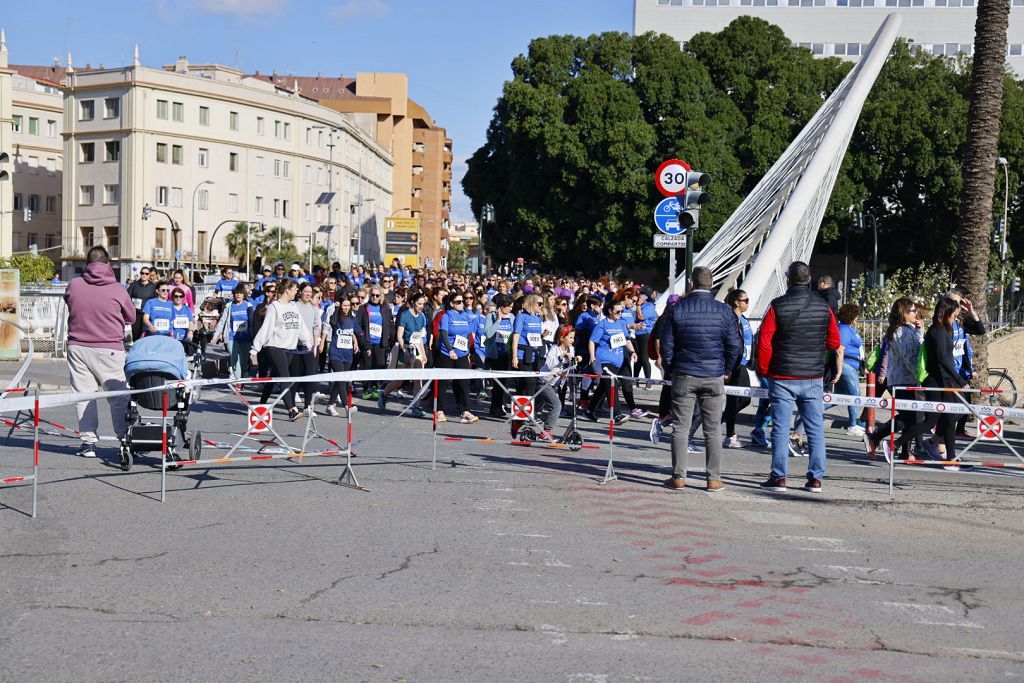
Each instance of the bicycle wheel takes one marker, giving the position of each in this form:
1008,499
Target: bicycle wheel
1007,395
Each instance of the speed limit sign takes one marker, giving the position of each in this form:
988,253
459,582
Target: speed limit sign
670,178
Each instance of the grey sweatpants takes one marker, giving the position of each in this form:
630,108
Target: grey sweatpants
95,370
685,392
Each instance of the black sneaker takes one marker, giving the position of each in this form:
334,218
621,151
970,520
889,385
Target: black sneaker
589,414
775,484
621,419
87,450
813,484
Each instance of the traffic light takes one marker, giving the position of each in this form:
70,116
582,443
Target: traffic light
1015,287
27,214
693,198
147,211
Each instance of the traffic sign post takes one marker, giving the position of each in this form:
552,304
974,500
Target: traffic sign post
670,178
260,418
522,407
666,216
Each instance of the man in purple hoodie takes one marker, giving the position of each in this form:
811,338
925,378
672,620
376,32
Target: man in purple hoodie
98,310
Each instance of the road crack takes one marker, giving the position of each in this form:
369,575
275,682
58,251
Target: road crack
407,562
129,559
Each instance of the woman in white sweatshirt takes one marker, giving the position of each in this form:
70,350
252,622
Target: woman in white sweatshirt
280,335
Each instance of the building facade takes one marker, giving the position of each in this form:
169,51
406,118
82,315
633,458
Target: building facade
206,147
31,158
841,28
422,150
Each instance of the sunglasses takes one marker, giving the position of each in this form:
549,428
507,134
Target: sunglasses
375,295
458,301
163,290
143,273
743,301
616,311
177,296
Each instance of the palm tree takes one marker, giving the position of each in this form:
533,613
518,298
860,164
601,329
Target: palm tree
983,118
236,241
277,244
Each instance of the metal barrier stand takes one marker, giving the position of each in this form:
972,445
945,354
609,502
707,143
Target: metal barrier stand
348,475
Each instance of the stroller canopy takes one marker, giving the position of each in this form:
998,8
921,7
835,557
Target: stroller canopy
156,353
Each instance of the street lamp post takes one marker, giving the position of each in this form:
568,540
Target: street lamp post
213,238
1002,240
248,259
195,258
330,190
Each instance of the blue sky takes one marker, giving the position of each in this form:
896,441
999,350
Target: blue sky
456,52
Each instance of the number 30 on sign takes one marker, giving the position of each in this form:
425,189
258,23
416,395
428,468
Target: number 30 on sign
670,178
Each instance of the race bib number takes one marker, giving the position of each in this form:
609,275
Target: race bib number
344,340
958,347
238,326
162,325
137,303
460,344
618,340
533,339
180,322
549,335
376,331
416,338
503,336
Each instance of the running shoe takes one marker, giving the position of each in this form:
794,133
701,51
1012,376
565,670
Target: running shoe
869,447
758,440
953,466
468,418
416,411
855,430
331,410
590,415
294,414
777,484
813,484
797,448
401,394
691,449
546,436
732,442
441,417
87,450
656,431
886,450
621,419
382,400
933,450
637,413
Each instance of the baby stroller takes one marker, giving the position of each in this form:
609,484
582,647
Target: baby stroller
152,362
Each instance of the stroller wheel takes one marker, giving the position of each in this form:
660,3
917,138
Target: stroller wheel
573,440
126,458
527,435
195,446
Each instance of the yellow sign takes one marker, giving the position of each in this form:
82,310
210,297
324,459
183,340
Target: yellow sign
403,224
402,241
10,310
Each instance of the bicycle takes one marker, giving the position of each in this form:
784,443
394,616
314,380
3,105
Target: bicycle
1000,381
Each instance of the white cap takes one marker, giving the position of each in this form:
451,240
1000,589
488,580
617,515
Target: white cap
296,266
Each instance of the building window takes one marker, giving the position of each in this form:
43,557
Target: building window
277,168
86,195
176,155
161,238
17,201
259,165
16,123
51,167
112,150
33,202
86,110
33,125
33,165
951,49
111,107
233,120
284,208
309,173
111,194
233,161
161,109
204,116
840,49
277,208
88,152
178,111
161,195
259,206
232,203
1015,48
286,169
261,126
51,204
201,241
309,135
853,49
204,200
204,157
306,212
161,153
818,48
51,241
277,129
176,197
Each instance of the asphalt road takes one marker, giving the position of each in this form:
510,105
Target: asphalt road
504,563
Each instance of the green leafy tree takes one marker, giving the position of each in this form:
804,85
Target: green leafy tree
457,254
32,268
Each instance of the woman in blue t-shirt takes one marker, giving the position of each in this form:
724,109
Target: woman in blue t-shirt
233,330
853,345
345,332
609,343
412,339
646,315
527,351
497,341
453,352
734,405
181,322
158,313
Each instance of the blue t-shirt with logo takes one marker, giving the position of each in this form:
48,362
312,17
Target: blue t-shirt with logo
457,325
610,338
161,316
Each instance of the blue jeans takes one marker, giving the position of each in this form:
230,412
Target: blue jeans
762,406
849,384
806,395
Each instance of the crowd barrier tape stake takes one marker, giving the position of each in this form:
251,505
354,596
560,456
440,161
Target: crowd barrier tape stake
869,392
34,477
348,475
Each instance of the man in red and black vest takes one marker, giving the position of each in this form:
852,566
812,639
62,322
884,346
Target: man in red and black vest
797,330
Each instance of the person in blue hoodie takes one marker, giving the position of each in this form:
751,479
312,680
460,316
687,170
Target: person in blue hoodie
233,330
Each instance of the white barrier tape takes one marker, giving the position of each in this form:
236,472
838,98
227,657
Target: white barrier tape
8,405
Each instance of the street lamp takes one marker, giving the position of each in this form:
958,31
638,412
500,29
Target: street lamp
194,192
1002,240
175,228
358,206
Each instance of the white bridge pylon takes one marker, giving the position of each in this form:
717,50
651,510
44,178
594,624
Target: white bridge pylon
779,220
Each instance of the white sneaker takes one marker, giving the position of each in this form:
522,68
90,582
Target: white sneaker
886,450
656,431
953,466
331,410
691,449
732,442
855,430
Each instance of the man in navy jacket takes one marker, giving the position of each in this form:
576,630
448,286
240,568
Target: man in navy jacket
700,347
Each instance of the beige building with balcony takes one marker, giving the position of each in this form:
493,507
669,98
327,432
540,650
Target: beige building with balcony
31,157
211,147
422,150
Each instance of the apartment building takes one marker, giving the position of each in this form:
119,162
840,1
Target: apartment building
31,157
421,150
840,28
207,147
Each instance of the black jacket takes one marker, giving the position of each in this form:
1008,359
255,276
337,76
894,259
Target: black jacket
794,333
387,335
701,338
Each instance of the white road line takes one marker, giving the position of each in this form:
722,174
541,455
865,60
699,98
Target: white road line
782,518
505,533
932,615
828,545
487,508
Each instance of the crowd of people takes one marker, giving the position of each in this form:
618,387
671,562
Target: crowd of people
289,323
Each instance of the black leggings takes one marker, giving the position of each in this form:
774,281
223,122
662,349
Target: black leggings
460,387
279,363
303,365
528,385
735,404
945,425
498,395
625,384
643,362
378,360
339,390
905,419
603,389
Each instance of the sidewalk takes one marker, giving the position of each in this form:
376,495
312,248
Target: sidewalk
49,374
